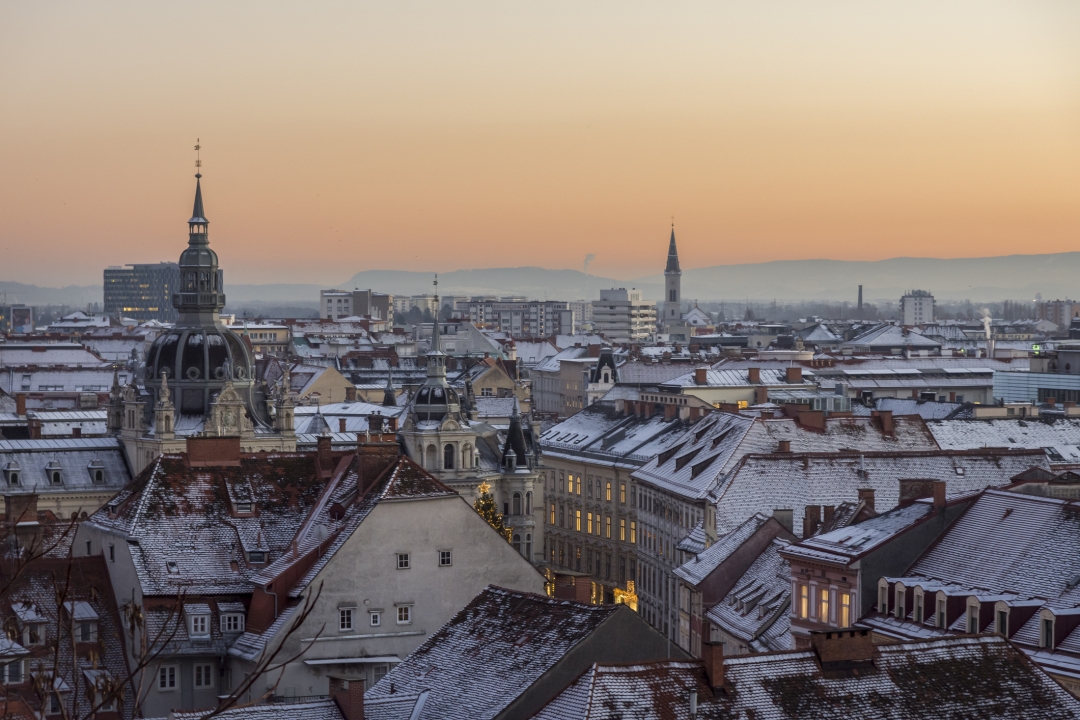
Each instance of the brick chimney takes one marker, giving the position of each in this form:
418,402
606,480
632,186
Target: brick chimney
701,376
341,424
884,420
349,697
866,495
811,521
20,404
794,374
391,424
324,456
939,496
375,457
843,649
350,394
213,452
829,513
712,658
594,350
761,395
753,375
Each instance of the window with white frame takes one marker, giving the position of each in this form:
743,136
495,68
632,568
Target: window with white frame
404,614
403,562
232,622
1046,633
941,616
200,625
375,618
346,619
87,631
12,673
918,610
901,602
378,672
445,558
883,599
203,675
167,678
973,618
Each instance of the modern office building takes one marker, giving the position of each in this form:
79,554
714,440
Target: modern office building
336,304
917,308
143,292
622,315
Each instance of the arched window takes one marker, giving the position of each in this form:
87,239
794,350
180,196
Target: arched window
431,463
517,503
672,294
448,456
528,503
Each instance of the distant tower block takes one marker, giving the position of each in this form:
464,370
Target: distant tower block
672,285
860,298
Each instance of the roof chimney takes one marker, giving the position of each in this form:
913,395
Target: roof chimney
349,697
794,374
785,518
20,404
939,496
325,458
753,375
712,657
811,521
866,495
701,376
341,424
761,395
843,649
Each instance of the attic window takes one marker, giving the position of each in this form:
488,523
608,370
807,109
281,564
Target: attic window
256,556
172,567
96,468
243,507
681,462
701,466
12,472
960,471
53,473
668,454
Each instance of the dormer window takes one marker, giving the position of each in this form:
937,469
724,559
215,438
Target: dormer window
973,617
256,557
12,471
243,507
96,468
172,567
1046,632
86,631
53,473
199,625
232,622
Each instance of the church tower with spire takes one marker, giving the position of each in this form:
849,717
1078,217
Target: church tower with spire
672,305
198,377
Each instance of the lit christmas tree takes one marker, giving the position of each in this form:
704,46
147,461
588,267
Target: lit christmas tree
486,507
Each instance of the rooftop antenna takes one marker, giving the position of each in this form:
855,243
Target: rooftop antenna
198,159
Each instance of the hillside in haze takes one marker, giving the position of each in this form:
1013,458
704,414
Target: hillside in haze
1016,277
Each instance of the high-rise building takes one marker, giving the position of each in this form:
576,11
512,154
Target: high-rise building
622,316
672,304
336,304
917,308
142,292
519,317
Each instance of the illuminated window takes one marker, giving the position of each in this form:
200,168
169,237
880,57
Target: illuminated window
588,525
570,483
577,520
804,601
607,527
622,493
845,609
633,532
622,529
552,513
607,492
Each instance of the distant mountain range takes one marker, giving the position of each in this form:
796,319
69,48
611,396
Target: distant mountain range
1016,277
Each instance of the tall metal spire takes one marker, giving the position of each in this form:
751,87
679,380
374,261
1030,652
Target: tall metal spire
672,253
436,358
197,213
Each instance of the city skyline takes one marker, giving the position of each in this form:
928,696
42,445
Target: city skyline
340,139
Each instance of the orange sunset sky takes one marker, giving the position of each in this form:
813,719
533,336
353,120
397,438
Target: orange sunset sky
345,136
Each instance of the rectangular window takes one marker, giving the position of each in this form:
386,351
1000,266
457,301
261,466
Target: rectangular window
901,609
200,625
562,515
446,558
973,619
589,525
577,520
883,600
13,673
577,485
112,552
404,614
804,601
379,671
1003,623
607,527
552,513
823,612
918,608
570,484
375,618
845,610
589,489
622,493
202,676
1047,639
622,529
941,612
345,619
607,491
633,532
232,622
167,677
403,561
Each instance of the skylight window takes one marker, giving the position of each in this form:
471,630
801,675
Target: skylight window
172,567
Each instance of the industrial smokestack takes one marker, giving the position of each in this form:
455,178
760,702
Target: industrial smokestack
860,298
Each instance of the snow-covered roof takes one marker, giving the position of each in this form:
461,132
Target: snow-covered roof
698,568
755,610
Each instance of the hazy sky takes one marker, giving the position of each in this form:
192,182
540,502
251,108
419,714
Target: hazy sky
339,137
